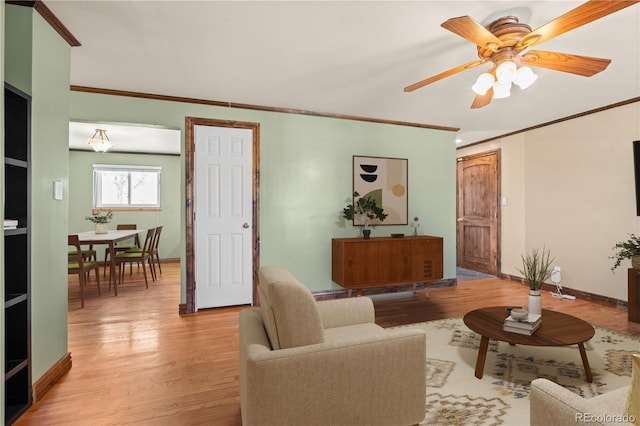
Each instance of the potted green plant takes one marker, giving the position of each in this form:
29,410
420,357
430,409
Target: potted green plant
365,208
536,269
99,220
629,249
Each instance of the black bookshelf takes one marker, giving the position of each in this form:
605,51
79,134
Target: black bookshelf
17,276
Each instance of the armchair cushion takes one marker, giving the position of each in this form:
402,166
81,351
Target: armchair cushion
289,310
341,312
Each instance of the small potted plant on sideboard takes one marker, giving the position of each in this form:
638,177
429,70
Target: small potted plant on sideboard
364,209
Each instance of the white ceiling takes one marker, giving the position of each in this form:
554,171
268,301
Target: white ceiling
343,57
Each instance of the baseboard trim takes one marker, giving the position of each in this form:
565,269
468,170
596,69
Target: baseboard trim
342,293
450,282
591,297
182,309
48,379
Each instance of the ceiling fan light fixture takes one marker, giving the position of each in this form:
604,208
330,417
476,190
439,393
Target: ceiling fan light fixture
501,90
483,83
100,141
525,77
506,72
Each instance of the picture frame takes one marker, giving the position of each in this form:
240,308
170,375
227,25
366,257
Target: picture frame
385,180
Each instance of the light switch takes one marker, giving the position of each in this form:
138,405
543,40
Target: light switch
503,201
58,190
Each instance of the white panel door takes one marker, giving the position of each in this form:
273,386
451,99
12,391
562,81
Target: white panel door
223,206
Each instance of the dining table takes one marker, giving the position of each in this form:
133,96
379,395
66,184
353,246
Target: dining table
110,239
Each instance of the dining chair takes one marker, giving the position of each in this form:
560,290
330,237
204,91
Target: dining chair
80,266
138,256
122,247
87,255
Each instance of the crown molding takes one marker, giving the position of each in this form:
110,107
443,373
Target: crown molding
253,107
49,16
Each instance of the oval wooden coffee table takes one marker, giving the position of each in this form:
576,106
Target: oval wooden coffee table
557,329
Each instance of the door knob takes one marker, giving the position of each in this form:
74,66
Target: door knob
245,225
459,219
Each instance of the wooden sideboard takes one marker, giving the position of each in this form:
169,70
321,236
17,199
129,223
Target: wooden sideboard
357,263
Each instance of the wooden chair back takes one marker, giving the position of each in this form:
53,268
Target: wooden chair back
156,239
148,242
155,254
74,241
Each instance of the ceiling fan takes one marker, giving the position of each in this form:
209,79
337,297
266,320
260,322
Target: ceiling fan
503,43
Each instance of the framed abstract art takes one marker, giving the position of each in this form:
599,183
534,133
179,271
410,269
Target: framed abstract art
385,180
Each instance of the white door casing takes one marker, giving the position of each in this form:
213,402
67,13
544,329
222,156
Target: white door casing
223,216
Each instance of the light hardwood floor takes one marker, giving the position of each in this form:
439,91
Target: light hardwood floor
136,361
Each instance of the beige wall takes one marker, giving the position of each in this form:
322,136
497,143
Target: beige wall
570,187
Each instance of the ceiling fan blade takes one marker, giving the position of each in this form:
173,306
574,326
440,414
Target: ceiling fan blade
470,30
581,15
574,64
440,76
482,100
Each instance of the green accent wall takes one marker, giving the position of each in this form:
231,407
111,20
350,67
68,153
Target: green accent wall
18,46
306,176
51,60
37,61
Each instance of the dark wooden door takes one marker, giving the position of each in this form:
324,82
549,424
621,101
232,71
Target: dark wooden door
478,212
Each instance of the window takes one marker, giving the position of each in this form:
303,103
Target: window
124,186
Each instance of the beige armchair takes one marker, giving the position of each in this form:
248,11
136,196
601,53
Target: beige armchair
304,362
551,404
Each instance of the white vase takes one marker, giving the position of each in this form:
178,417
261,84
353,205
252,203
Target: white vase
535,302
100,228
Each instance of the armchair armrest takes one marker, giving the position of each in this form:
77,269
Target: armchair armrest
551,404
341,312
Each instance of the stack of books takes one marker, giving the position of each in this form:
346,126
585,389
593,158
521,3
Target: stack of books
10,224
526,326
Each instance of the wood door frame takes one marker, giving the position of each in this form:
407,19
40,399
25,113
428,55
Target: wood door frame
497,153
190,144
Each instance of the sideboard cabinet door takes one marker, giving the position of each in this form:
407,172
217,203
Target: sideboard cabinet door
394,261
360,263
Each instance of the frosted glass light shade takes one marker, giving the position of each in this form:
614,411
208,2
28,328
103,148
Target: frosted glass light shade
525,77
506,72
501,90
100,141
483,83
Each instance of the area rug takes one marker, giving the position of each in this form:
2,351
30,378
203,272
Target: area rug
456,397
